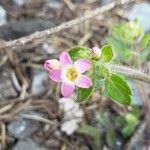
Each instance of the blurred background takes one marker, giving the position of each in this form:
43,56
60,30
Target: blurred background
34,115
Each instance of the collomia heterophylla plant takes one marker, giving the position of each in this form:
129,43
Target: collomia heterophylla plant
88,70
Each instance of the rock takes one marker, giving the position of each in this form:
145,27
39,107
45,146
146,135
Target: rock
118,144
139,146
136,97
27,144
3,16
18,3
141,11
52,144
55,4
14,30
38,82
22,128
105,2
48,49
85,148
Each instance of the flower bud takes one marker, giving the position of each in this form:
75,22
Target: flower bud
96,52
52,64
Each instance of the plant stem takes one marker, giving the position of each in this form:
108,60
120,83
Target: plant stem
129,72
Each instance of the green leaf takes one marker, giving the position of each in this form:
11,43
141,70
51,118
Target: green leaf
110,137
98,72
122,39
84,94
122,49
118,89
145,42
103,119
144,55
130,125
91,131
132,30
80,53
103,72
107,54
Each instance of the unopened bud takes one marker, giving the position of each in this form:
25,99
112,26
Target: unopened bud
96,52
52,64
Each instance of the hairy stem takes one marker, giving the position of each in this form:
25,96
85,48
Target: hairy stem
129,72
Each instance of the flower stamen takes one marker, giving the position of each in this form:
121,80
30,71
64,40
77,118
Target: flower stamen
72,74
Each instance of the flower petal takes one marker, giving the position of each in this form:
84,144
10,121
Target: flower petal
82,65
67,89
55,75
84,82
65,59
52,64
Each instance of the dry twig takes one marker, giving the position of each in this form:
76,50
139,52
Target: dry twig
3,135
37,118
44,34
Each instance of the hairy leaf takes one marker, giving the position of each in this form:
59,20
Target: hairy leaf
107,54
118,89
91,131
145,42
80,53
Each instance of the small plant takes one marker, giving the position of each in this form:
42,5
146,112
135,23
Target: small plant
95,64
109,127
128,37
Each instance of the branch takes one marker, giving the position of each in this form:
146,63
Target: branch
44,34
131,73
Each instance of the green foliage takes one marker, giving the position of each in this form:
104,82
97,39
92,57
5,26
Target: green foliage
107,54
110,136
80,53
131,123
118,89
84,94
122,43
108,123
128,122
115,86
144,55
145,42
122,39
103,119
91,131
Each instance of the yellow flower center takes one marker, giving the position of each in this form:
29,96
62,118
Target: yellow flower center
72,74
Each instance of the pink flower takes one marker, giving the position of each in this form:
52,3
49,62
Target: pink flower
69,73
96,52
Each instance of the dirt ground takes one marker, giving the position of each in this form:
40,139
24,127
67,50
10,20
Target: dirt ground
31,111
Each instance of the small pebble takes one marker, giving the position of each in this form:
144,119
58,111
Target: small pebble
55,4
27,144
3,16
18,3
141,12
22,128
38,82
